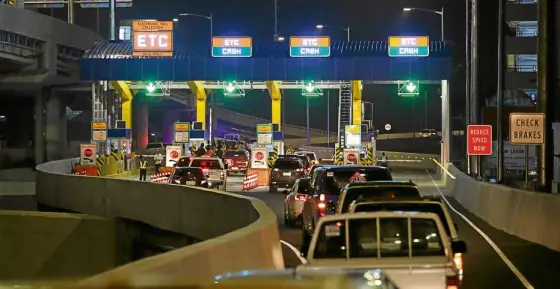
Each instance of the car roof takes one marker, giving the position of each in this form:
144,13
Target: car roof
383,184
380,214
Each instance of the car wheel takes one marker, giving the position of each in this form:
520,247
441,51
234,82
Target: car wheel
273,189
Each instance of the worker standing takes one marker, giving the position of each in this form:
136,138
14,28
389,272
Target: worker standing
143,168
158,158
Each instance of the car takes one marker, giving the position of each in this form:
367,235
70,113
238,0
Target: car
303,158
293,203
412,241
284,173
310,155
326,183
237,160
425,204
214,169
375,189
189,176
428,133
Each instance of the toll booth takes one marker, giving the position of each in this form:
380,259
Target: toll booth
278,142
119,144
196,138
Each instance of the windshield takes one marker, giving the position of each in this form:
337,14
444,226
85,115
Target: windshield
234,154
393,239
336,180
416,207
212,164
287,164
365,192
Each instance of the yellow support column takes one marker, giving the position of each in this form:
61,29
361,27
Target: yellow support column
356,102
126,101
197,88
276,99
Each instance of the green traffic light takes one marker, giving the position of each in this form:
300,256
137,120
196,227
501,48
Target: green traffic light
230,87
411,87
310,87
150,87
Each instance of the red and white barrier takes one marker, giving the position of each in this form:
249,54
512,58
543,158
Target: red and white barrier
159,178
250,182
80,173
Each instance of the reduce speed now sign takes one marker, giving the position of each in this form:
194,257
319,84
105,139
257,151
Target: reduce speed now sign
479,140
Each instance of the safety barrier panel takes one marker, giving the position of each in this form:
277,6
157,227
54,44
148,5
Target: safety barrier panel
159,178
528,215
250,181
249,226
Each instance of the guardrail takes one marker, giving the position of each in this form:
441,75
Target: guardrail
528,215
240,232
398,160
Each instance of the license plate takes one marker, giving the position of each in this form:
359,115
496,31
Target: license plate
190,183
286,174
234,169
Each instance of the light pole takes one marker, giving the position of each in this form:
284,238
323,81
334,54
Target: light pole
209,17
440,13
347,29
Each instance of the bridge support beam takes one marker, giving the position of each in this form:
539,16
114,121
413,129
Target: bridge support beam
356,86
126,101
276,100
197,89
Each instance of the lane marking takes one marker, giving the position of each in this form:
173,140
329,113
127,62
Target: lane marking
295,250
497,249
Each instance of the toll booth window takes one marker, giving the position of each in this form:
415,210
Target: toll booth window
385,192
331,242
206,164
125,33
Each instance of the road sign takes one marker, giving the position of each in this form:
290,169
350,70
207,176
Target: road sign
152,38
264,133
103,3
88,154
181,132
479,140
353,135
98,131
409,46
387,127
526,128
310,46
351,156
232,46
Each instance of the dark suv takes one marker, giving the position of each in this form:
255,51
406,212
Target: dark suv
285,172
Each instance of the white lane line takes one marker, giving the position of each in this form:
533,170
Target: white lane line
296,251
497,249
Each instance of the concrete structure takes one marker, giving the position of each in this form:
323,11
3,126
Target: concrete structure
39,56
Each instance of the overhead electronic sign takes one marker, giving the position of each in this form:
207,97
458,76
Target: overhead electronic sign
409,46
152,38
319,46
232,46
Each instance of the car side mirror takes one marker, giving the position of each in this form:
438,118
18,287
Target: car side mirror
458,246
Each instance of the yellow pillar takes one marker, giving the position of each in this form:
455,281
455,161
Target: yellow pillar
276,99
356,101
197,88
126,101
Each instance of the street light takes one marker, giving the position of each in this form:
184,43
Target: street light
440,13
347,29
209,17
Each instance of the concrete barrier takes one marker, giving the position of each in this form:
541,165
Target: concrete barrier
39,245
528,215
241,232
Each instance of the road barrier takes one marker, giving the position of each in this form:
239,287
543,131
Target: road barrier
159,178
528,215
248,240
250,181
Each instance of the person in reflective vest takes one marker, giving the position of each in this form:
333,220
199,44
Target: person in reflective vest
384,160
143,168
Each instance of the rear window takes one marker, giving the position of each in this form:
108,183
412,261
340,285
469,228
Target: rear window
287,164
311,156
393,240
304,160
186,174
303,186
416,207
183,162
336,180
234,154
366,192
206,164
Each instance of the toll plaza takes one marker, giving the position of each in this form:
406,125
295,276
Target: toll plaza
308,64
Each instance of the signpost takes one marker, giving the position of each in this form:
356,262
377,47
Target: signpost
259,158
88,154
409,46
351,157
264,134
526,128
98,131
152,38
319,46
181,132
479,140
353,135
172,155
232,46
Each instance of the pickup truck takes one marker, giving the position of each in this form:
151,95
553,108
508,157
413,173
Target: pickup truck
409,247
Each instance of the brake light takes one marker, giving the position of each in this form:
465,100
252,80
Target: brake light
205,171
452,282
458,260
322,205
299,170
322,197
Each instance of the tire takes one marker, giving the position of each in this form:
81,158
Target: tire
273,189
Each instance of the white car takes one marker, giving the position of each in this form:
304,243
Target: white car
399,243
214,169
293,203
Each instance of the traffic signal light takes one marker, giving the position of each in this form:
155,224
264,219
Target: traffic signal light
409,88
150,87
232,90
310,89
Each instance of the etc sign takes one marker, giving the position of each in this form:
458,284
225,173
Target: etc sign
153,38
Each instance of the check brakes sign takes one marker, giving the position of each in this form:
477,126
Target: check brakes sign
526,128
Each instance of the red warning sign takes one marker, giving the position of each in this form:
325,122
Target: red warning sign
259,156
351,158
174,154
357,177
479,140
88,153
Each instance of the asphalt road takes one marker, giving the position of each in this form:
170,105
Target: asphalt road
484,267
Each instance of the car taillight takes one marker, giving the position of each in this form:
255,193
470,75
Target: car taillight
322,206
206,171
301,197
458,260
299,170
452,282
